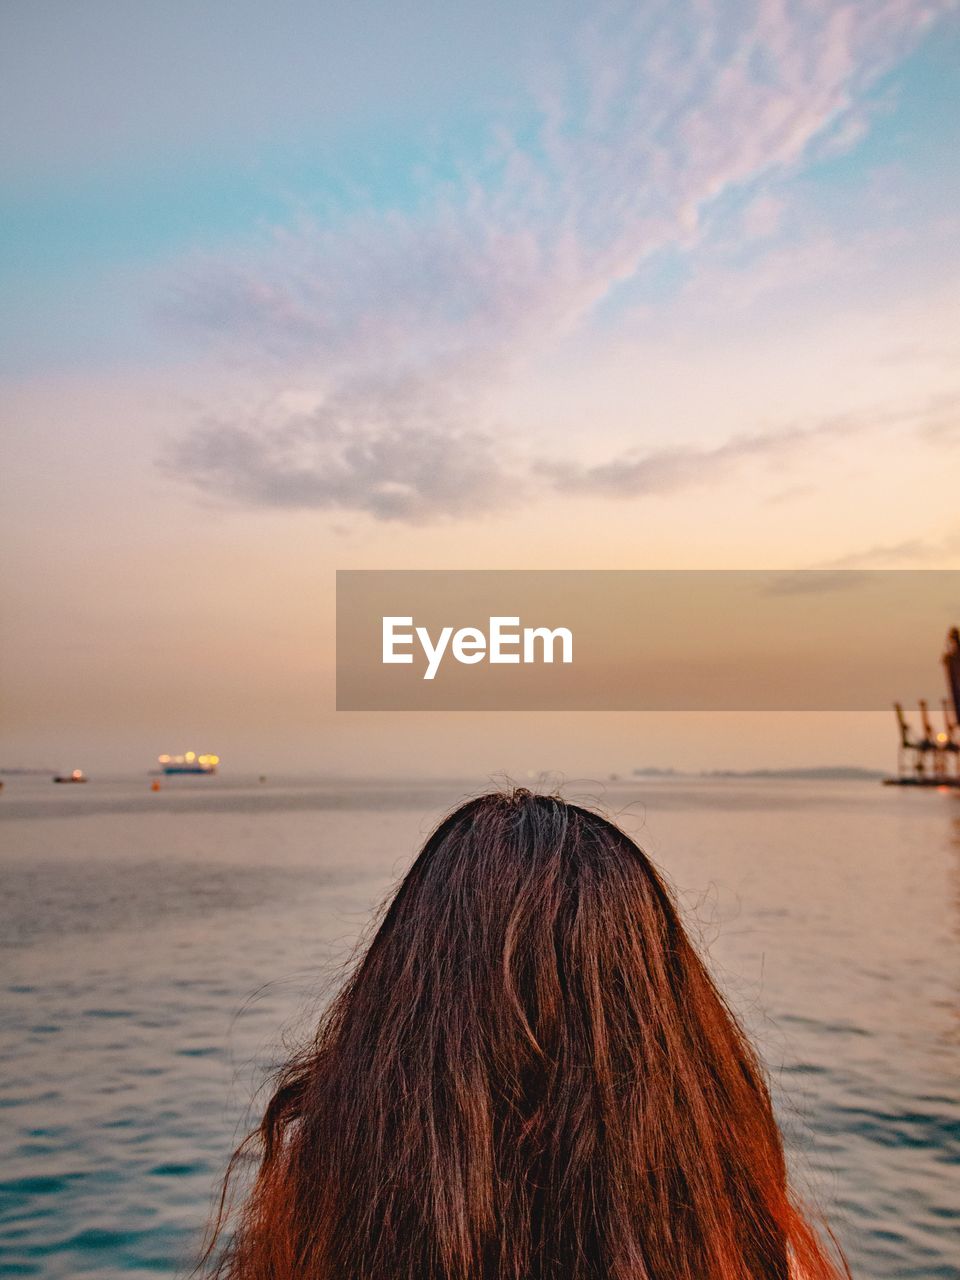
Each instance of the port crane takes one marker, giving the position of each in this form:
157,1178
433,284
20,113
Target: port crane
913,749
951,666
927,754
932,743
933,759
951,746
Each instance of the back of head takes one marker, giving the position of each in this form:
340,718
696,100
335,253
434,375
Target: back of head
530,1074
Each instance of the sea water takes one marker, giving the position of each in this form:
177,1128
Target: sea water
162,951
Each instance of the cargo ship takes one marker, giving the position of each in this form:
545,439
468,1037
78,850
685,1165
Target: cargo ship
76,775
189,762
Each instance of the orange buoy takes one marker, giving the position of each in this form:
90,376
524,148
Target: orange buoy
154,786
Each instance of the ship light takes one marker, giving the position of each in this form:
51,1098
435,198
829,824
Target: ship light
191,756
941,737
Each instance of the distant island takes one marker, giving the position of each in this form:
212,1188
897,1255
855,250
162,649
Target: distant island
816,773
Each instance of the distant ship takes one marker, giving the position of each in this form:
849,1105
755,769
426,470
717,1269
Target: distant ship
76,776
189,762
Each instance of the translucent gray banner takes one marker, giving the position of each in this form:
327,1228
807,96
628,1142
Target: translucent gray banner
689,640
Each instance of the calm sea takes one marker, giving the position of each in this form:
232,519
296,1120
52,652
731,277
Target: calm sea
159,949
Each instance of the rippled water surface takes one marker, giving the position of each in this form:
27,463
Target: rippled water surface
157,948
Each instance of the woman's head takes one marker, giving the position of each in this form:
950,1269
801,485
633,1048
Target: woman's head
529,1074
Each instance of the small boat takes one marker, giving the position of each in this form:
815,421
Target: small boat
76,776
189,762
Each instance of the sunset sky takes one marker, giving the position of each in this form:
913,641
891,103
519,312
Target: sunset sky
297,287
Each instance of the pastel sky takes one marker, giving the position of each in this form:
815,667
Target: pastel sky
301,286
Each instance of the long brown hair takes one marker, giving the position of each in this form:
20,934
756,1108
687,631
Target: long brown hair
529,1074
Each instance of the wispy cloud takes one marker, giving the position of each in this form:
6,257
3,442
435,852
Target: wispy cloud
909,553
621,145
638,474
379,449
390,452
816,582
